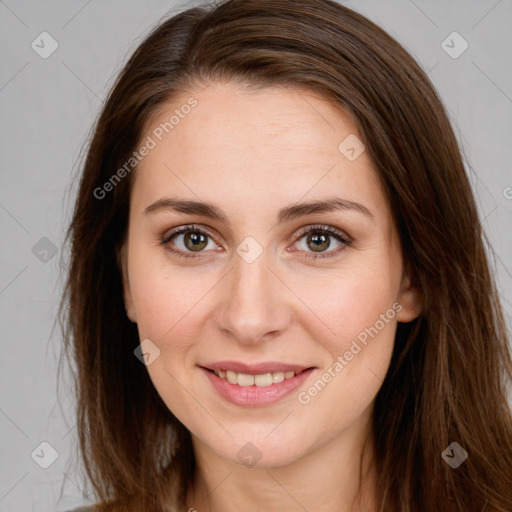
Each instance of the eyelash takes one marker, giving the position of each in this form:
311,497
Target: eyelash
317,229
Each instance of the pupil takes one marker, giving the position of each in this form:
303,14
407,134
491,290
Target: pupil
197,239
323,239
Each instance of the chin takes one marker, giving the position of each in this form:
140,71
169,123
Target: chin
260,451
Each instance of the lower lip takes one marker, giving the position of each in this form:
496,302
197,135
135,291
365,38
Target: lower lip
256,396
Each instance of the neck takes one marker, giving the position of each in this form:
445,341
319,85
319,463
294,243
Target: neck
334,477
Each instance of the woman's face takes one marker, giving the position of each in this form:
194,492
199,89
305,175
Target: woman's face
242,292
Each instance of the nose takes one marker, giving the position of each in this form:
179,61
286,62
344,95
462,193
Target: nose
256,303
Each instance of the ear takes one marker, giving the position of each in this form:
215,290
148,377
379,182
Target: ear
411,299
122,261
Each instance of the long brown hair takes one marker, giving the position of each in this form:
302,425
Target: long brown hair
447,381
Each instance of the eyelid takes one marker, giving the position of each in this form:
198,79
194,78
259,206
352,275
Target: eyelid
325,228
169,234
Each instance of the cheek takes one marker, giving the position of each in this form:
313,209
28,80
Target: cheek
360,312
169,311
348,383
347,302
167,298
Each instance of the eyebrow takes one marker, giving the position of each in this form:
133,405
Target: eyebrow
286,214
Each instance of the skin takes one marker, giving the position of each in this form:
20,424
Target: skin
252,153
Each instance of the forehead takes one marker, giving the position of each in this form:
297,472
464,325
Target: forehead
234,119
255,145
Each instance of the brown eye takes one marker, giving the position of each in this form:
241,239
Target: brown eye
319,241
315,241
195,240
186,240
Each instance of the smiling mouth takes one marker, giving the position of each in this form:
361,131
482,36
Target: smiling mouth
260,380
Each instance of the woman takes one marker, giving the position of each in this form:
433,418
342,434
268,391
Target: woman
278,293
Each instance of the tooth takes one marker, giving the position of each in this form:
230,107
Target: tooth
277,377
232,377
263,380
245,380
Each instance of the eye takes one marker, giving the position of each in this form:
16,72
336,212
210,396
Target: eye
190,239
318,238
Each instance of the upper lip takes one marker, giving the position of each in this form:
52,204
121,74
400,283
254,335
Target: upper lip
255,369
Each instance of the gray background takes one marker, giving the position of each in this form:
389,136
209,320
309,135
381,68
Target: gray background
47,108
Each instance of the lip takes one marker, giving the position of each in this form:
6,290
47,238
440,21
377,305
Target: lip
256,396
255,369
